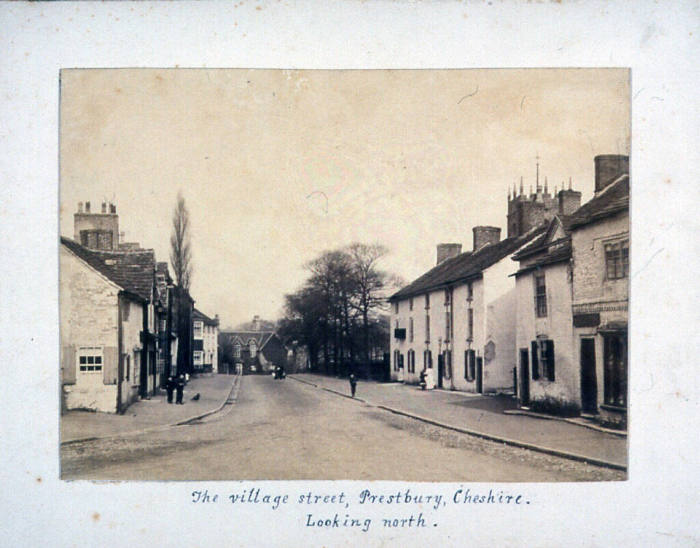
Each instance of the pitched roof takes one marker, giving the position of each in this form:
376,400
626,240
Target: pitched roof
199,315
560,253
468,265
133,271
261,338
612,199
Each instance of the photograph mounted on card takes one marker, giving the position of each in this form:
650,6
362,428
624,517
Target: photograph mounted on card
407,275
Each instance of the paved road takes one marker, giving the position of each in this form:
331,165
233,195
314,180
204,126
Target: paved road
285,430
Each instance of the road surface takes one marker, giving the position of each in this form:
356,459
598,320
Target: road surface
287,430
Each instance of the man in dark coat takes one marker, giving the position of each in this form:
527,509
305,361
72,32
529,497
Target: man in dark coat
180,388
353,384
169,387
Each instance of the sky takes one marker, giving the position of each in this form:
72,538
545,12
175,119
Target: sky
277,166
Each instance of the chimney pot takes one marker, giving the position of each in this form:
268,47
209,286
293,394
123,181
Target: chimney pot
87,207
609,167
447,251
104,207
486,235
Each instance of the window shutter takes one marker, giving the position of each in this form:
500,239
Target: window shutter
110,361
68,364
535,361
550,359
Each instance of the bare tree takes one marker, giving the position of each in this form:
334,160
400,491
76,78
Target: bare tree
180,246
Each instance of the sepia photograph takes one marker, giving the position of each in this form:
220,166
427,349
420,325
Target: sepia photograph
408,275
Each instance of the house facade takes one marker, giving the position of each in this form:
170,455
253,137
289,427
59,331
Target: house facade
205,340
600,249
547,376
107,326
458,320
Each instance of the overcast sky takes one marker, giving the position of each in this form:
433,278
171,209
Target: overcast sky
278,166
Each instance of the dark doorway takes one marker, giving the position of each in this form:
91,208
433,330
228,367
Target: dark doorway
480,375
441,369
524,377
589,382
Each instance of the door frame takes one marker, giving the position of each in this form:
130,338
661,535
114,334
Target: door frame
588,371
524,374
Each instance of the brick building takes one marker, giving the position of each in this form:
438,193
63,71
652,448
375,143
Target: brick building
254,351
600,249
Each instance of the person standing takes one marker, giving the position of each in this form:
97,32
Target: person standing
169,387
353,384
180,388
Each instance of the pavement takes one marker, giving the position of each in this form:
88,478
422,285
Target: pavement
148,414
486,417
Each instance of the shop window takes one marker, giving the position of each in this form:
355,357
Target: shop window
615,372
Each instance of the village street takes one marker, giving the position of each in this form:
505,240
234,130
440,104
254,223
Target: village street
286,430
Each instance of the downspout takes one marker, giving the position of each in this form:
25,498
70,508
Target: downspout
452,338
143,374
120,364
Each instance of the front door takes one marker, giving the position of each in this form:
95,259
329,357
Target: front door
589,383
524,377
441,369
480,375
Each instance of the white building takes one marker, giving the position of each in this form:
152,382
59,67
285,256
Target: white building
205,334
458,318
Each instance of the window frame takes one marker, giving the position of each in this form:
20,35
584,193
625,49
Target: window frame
198,329
94,352
540,295
616,256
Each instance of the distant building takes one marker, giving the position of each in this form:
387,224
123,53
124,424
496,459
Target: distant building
526,212
205,335
253,351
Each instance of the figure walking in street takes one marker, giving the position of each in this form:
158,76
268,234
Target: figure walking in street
169,387
353,384
180,387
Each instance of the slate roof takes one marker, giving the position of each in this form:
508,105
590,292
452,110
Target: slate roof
468,265
613,199
560,254
199,315
133,271
261,337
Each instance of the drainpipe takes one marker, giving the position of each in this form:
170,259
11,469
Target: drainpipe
120,364
143,374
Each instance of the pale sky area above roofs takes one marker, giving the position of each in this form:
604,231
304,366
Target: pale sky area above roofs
277,166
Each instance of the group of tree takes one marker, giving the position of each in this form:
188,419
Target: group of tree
339,312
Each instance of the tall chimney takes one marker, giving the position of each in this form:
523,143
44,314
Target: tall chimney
87,207
447,251
608,167
486,235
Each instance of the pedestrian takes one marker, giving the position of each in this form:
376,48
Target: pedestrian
353,384
180,387
169,387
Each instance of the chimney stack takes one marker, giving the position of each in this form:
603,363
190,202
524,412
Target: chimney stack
447,251
486,235
104,207
608,167
80,207
112,208
87,207
256,323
